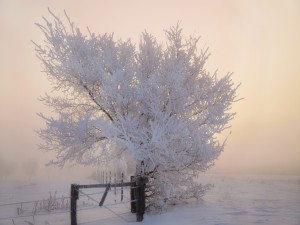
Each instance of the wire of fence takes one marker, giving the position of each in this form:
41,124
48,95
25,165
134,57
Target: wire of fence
58,211
37,214
67,211
60,198
25,205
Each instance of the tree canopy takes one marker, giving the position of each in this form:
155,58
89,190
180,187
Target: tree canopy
155,102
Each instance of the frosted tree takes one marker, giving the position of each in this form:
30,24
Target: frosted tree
156,103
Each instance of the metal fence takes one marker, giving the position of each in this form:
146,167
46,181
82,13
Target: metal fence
137,196
56,209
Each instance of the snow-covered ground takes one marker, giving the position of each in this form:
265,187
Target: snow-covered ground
240,200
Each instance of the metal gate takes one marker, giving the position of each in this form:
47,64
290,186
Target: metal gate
136,202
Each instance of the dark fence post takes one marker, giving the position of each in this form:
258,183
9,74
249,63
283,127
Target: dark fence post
73,205
132,197
122,192
140,196
115,180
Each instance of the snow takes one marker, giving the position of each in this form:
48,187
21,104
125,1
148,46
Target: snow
244,200
234,200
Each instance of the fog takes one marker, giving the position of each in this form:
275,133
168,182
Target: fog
257,40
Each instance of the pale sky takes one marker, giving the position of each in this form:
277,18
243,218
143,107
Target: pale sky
257,40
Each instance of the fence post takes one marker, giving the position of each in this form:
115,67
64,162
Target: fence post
99,176
122,192
73,205
132,197
115,188
140,196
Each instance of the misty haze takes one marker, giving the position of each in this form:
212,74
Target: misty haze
256,174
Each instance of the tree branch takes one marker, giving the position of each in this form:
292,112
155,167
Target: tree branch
95,101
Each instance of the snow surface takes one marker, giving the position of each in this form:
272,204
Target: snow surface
239,200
